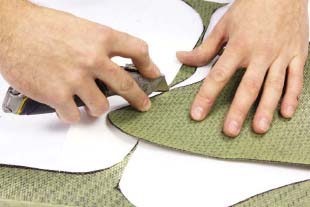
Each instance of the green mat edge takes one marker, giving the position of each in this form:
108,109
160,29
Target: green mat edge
269,192
14,203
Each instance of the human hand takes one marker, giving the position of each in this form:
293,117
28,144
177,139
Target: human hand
270,39
50,56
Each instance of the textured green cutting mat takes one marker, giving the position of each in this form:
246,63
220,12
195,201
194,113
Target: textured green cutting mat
168,124
29,187
14,203
294,195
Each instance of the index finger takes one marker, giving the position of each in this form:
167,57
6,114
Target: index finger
124,85
218,77
127,46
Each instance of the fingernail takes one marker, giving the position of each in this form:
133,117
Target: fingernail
197,113
233,127
264,124
290,111
182,53
156,70
146,105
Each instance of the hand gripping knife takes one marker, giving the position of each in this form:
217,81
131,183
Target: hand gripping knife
17,103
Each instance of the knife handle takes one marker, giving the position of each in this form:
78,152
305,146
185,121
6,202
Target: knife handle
17,103
32,107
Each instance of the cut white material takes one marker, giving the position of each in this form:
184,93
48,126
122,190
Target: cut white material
202,72
157,176
26,141
95,144
44,142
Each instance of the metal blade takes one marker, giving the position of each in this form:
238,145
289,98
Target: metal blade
160,85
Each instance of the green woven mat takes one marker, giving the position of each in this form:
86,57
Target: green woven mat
29,187
295,195
168,123
14,203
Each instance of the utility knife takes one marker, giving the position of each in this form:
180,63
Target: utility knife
17,103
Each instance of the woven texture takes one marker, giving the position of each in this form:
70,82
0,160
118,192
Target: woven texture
13,203
168,124
44,188
295,195
205,9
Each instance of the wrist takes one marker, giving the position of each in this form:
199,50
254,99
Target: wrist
12,13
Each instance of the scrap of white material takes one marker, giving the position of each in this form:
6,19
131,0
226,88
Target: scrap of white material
202,72
157,176
26,142
44,142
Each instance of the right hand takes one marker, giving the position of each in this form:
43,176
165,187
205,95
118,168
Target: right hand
50,56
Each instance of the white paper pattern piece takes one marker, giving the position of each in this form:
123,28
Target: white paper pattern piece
181,179
157,176
44,142
202,72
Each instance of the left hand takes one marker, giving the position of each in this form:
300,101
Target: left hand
270,39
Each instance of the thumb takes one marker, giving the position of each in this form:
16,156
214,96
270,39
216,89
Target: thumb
203,54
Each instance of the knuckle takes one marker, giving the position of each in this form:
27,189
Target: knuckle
238,45
111,71
90,60
201,56
275,83
265,54
205,98
252,85
143,49
61,97
74,117
127,85
100,109
96,112
107,34
219,29
219,75
70,116
77,77
238,110
142,101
